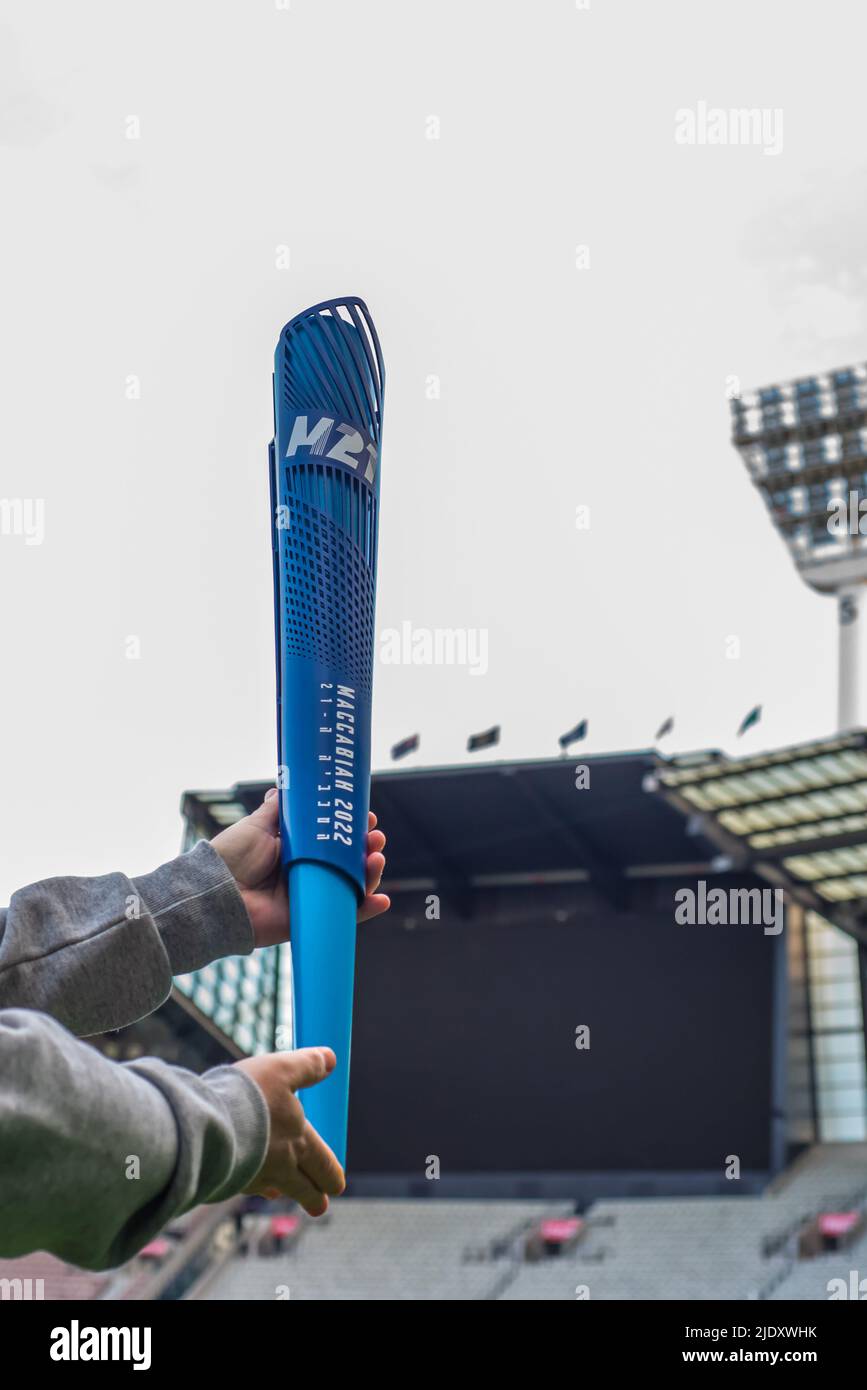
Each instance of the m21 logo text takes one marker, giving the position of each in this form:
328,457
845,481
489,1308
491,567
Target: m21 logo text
347,444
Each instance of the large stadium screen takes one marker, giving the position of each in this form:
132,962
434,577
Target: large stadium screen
465,1040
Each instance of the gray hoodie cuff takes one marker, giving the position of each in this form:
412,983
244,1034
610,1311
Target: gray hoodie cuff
223,1130
197,909
252,1125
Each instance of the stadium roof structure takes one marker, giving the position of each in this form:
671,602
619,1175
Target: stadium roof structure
796,816
501,824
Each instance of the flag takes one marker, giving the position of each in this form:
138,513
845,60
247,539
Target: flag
574,735
752,718
665,728
485,740
406,745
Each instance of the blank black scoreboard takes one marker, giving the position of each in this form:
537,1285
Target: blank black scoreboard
464,1046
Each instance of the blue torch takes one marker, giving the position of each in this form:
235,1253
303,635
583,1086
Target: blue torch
324,465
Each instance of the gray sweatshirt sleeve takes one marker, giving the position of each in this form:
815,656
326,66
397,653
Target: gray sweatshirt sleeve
96,1157
98,953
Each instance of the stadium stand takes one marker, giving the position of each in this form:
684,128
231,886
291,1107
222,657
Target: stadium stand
690,1248
391,1250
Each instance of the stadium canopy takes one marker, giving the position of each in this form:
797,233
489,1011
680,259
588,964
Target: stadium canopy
796,816
500,824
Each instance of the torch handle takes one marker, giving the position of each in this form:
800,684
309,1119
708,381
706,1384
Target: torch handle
323,906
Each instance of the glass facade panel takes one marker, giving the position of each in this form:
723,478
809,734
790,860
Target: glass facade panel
837,1027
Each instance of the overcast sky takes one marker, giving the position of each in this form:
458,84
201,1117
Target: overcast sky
567,378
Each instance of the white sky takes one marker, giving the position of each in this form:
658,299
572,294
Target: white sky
560,387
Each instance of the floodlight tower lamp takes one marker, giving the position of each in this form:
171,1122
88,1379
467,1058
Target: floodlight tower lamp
804,444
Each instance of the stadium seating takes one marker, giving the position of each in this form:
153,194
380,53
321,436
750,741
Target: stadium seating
394,1250
684,1248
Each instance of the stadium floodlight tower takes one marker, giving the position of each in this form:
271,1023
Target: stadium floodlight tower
805,446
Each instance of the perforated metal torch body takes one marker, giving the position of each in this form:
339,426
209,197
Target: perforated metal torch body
328,392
